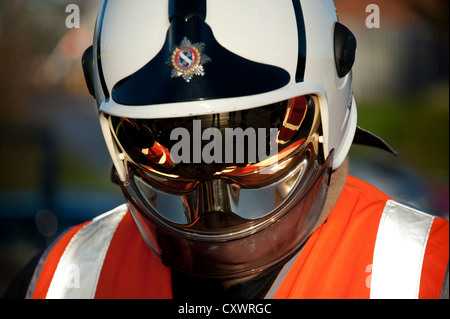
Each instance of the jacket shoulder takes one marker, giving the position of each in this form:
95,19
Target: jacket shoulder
73,244
411,253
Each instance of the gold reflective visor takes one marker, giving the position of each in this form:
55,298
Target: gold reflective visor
250,147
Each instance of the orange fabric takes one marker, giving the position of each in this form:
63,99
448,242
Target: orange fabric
336,262
51,262
433,269
131,269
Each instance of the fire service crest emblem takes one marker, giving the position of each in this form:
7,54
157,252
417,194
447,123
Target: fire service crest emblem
187,60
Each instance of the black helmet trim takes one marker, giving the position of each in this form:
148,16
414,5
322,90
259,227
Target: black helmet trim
221,74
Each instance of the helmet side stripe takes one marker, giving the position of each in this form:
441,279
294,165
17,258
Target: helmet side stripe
301,60
98,55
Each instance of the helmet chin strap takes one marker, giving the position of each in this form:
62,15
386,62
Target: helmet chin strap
337,182
365,137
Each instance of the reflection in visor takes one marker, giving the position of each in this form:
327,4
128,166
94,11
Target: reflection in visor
278,129
144,142
219,218
239,233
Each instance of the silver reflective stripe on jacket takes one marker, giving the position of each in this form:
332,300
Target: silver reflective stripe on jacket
399,250
79,268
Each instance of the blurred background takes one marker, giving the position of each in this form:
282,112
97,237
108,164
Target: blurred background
54,166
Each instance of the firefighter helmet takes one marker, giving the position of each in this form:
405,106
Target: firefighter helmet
224,120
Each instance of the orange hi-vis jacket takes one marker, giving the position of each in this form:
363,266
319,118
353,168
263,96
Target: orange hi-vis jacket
369,247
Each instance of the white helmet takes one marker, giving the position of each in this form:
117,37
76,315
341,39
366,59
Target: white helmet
159,66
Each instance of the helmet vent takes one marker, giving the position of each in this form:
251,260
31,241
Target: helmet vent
344,49
186,9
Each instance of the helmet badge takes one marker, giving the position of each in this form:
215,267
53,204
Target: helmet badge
187,60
